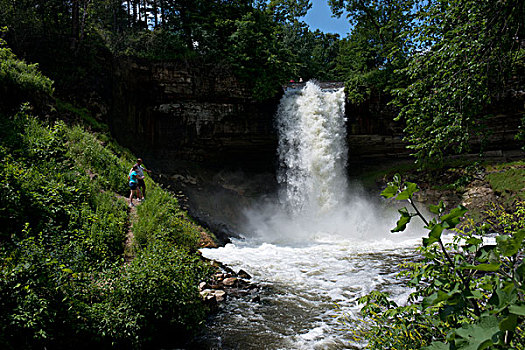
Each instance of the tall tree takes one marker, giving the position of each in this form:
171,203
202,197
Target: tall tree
374,50
464,53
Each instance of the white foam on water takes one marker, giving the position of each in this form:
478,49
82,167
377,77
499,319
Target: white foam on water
323,242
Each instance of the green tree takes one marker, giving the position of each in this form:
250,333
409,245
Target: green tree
463,54
369,56
468,294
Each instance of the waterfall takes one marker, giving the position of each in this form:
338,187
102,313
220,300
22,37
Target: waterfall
315,202
312,149
331,245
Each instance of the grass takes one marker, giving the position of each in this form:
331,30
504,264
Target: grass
83,114
508,180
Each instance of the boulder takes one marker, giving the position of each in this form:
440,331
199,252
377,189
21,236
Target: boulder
230,281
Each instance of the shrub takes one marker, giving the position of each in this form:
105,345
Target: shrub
19,81
62,279
161,218
152,299
469,294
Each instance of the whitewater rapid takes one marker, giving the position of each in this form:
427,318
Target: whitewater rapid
318,247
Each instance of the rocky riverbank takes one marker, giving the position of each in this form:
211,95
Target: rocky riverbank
477,184
226,283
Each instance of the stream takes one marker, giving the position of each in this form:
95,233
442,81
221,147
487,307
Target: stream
315,247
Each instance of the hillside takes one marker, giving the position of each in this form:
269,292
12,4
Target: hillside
69,274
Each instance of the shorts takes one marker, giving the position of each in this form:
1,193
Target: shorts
133,185
141,183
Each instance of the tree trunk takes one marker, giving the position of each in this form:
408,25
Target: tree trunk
162,13
128,9
155,15
75,23
83,22
134,4
145,12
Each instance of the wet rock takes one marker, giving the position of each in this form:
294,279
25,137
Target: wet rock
213,296
230,281
220,295
225,282
244,274
203,286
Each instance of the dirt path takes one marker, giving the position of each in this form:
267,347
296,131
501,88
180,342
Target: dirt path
129,252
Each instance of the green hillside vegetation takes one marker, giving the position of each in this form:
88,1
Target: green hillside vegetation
64,281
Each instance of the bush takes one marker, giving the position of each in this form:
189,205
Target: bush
162,218
469,294
19,81
63,282
154,297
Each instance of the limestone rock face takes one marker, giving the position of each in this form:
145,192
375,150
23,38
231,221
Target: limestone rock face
192,112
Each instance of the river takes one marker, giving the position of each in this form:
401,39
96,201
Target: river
316,248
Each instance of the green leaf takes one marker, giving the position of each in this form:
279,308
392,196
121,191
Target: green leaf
436,298
453,218
509,245
397,180
517,309
482,267
503,297
437,345
390,191
437,209
434,235
520,271
479,335
509,323
474,241
401,224
408,192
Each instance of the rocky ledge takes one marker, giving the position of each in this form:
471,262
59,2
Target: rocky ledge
226,283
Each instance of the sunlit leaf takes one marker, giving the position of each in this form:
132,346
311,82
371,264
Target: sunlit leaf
402,223
437,209
452,219
517,310
389,192
478,336
408,192
434,235
482,267
437,345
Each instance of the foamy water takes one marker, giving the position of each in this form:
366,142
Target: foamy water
302,284
321,243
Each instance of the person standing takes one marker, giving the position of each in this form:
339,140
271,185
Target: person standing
134,178
140,172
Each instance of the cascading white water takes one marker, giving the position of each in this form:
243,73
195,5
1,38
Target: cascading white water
322,242
312,149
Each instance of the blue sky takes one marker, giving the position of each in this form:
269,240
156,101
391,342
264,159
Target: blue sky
320,17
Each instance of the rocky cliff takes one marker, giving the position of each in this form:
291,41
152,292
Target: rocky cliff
216,146
176,111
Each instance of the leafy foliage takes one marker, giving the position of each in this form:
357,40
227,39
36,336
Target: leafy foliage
468,294
62,279
20,82
452,75
370,55
163,219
